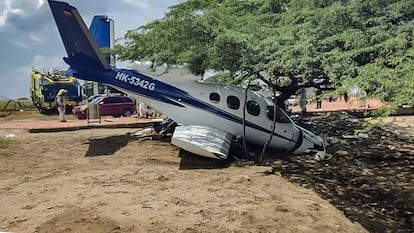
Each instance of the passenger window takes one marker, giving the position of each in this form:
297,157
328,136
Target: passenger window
280,116
215,97
253,108
126,100
111,100
233,102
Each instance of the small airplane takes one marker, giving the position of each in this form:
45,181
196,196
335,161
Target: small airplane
209,116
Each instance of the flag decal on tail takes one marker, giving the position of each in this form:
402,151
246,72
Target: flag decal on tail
80,46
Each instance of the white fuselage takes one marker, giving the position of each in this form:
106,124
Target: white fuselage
258,125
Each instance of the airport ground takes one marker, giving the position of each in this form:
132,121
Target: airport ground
107,180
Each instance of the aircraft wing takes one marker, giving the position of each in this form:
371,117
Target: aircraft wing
203,140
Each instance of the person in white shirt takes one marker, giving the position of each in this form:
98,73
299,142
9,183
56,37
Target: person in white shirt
61,103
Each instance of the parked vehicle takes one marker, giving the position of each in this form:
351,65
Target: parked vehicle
45,85
115,106
293,100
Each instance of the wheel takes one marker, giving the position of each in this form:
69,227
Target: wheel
127,112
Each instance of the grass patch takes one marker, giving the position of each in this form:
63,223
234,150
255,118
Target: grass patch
31,115
23,109
20,104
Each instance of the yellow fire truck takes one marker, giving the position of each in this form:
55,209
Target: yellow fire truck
45,85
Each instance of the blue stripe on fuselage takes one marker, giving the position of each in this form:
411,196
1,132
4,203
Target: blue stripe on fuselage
162,92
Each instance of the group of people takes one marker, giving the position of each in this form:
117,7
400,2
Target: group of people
319,97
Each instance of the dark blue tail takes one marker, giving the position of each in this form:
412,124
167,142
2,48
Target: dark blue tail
102,29
80,46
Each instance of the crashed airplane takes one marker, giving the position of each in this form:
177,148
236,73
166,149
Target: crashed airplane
209,116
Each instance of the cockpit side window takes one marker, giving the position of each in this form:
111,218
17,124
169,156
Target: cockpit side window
280,116
215,97
233,102
253,108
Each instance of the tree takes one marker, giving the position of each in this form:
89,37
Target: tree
368,44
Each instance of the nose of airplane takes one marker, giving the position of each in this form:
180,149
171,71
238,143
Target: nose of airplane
309,142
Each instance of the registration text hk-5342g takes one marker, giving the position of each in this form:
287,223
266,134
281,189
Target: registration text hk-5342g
135,81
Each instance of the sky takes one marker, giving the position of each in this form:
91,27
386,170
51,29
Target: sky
29,37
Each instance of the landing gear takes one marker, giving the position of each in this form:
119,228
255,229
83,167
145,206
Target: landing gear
166,127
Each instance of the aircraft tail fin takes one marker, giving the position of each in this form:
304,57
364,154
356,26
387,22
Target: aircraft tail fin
81,48
102,29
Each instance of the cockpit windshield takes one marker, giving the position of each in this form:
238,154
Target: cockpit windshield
280,115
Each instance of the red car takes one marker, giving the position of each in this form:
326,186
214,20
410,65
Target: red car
108,106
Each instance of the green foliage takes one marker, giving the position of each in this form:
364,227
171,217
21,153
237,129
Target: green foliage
368,44
224,78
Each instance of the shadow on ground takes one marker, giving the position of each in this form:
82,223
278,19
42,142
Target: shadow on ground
190,161
370,179
107,146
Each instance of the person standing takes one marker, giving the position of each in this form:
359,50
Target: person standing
346,97
318,98
302,100
61,103
142,110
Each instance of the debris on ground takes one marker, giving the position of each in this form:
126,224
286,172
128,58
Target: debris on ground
322,155
144,134
369,178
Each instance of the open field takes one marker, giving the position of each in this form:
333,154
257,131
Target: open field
20,110
16,104
106,181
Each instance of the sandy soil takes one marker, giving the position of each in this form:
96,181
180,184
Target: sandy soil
103,180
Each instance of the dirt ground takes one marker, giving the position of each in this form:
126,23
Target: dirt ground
104,180
371,175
